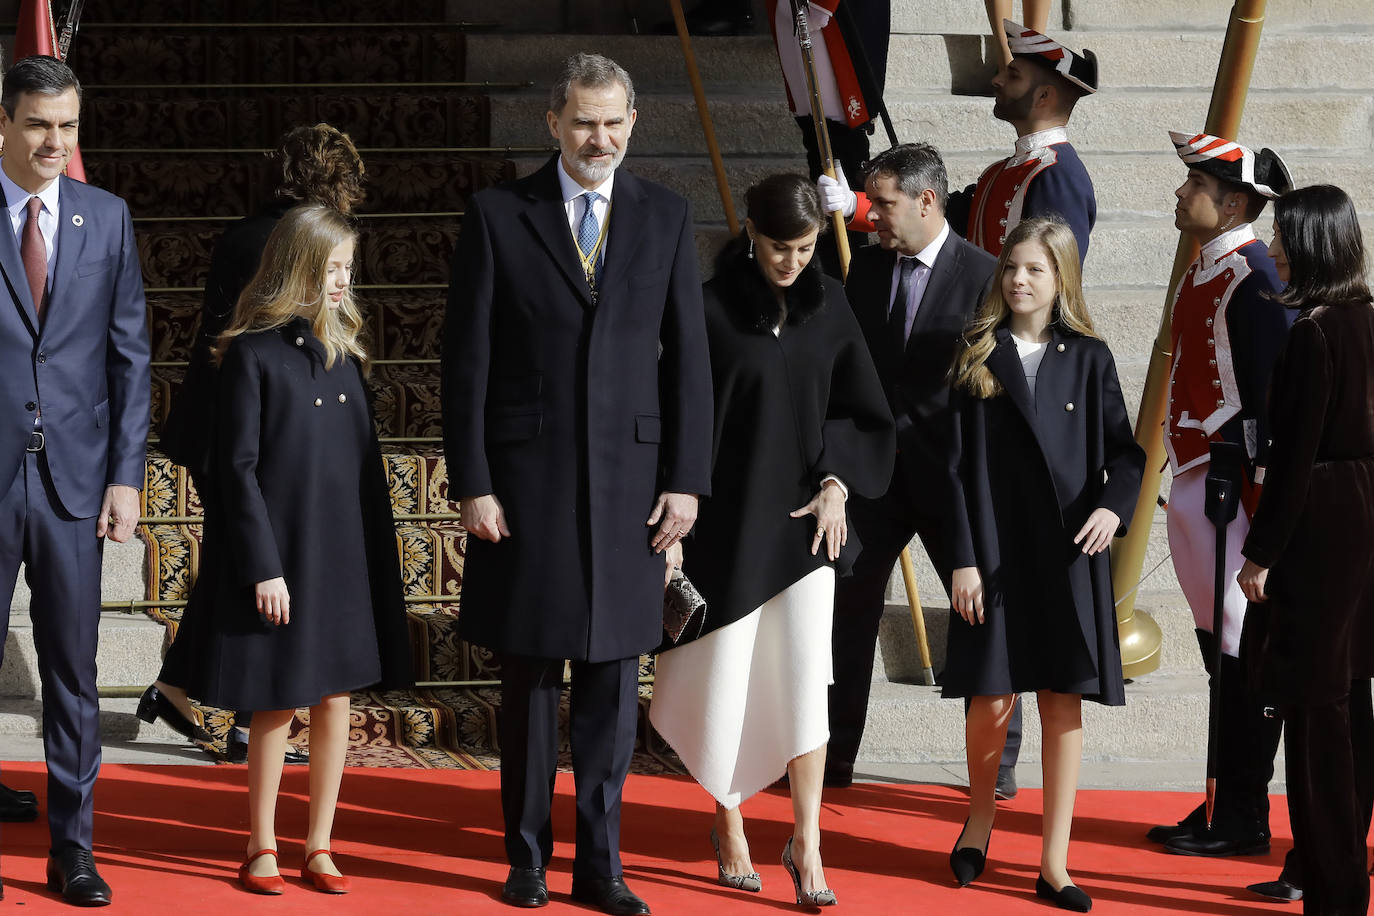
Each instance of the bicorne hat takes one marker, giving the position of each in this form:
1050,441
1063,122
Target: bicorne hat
1263,172
1079,69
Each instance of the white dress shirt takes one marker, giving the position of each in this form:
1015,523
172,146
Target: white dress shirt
575,203
17,203
920,280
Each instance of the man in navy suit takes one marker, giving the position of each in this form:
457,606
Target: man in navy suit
74,391
913,293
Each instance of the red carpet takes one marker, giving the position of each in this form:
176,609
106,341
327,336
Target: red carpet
416,842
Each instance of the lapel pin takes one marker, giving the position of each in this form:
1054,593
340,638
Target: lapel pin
78,220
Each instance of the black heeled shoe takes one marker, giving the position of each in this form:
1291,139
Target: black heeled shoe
824,897
153,705
968,863
750,882
1068,897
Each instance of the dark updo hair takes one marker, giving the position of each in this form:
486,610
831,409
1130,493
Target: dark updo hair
321,165
1321,236
785,207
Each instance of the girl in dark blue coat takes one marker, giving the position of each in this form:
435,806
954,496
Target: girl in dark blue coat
1043,473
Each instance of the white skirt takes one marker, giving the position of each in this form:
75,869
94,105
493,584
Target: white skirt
742,701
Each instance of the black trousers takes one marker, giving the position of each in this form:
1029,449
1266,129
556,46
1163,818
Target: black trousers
603,711
61,557
1248,742
1330,759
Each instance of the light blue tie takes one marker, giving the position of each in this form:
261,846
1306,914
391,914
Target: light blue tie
588,232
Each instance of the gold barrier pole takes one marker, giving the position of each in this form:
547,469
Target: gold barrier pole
1141,638
708,129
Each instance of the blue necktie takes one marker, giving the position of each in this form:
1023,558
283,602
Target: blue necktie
588,232
896,316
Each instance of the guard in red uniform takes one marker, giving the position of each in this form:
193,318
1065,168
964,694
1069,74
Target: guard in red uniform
1227,333
1036,94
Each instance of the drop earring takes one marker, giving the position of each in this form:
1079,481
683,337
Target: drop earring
751,249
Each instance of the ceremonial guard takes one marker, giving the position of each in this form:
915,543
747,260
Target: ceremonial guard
1036,94
1228,330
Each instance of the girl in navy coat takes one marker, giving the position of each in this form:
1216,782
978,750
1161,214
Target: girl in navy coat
1043,473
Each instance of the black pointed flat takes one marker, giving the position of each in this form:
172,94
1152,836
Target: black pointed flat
153,705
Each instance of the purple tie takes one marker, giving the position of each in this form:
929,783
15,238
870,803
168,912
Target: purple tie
35,253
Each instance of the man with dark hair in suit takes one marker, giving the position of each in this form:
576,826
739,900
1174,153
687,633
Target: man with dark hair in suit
913,293
577,427
74,382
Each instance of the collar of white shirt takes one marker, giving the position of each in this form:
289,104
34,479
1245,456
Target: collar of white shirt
928,254
1039,140
17,199
1226,243
572,190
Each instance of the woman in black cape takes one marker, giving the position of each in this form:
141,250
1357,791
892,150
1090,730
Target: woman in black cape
800,420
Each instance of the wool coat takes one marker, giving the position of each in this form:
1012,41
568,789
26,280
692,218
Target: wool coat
790,410
304,496
1024,475
1314,526
574,411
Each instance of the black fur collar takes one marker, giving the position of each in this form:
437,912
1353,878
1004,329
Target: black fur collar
750,299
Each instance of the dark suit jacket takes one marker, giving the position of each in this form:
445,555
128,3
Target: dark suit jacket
916,381
86,367
566,411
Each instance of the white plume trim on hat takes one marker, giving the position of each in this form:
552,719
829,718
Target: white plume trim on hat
1194,148
1022,40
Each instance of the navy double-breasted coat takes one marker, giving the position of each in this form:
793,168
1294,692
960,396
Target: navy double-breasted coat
1025,473
574,411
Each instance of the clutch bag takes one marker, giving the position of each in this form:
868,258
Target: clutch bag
684,610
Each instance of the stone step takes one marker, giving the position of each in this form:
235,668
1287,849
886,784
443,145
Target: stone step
1118,15
757,123
23,718
129,653
1165,717
960,63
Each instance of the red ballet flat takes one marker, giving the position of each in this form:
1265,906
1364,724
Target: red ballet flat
260,884
330,884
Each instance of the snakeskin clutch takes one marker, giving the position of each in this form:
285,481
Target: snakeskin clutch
684,610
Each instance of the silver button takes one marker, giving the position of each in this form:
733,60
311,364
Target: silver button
1216,383
1001,239
1209,322
1069,407
1221,403
1007,204
1211,342
1017,188
1216,301
318,402
1211,362
343,398
300,341
1060,348
1002,221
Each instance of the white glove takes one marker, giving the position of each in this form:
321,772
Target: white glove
835,194
816,17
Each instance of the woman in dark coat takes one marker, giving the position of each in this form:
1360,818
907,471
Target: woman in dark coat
1039,423
305,600
317,164
800,420
1308,553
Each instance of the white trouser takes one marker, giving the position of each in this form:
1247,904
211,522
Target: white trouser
1192,541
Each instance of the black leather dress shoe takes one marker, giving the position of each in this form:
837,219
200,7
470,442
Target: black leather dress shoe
1005,789
1195,820
1278,889
610,895
525,887
71,872
1214,844
154,705
236,750
17,806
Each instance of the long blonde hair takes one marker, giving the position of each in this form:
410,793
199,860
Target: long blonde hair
970,370
291,281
